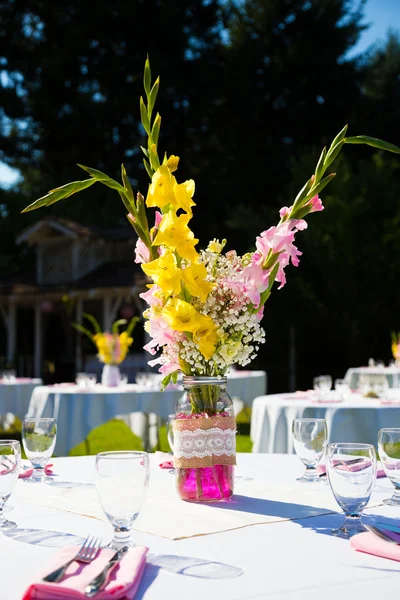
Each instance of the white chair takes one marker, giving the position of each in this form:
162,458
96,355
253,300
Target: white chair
238,405
146,426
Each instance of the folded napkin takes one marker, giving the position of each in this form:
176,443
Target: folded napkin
27,472
372,544
123,584
354,468
165,460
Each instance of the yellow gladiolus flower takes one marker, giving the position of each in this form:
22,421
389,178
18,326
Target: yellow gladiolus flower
194,277
206,336
181,315
165,273
161,189
175,234
172,163
183,196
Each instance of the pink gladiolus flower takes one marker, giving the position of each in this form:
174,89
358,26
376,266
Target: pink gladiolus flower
150,296
260,313
280,239
316,204
158,219
283,263
142,252
254,278
161,333
284,211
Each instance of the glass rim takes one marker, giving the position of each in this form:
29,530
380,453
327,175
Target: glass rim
351,445
8,442
308,420
200,379
119,453
385,429
36,419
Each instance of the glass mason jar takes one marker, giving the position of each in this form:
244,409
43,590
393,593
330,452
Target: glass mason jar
204,432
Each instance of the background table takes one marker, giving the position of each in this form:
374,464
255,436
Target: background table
290,560
79,410
355,420
354,376
15,396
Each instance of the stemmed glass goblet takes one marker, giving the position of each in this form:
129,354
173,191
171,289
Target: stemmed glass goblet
39,439
309,439
389,453
351,470
322,384
10,461
121,482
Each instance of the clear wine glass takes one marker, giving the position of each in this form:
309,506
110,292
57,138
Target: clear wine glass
39,439
309,439
121,481
351,470
322,384
10,462
389,454
343,388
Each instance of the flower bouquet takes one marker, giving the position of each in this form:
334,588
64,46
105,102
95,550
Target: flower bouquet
396,347
204,307
112,347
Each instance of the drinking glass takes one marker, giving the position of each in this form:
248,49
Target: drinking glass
123,379
90,379
39,439
121,481
351,470
389,454
322,384
80,379
309,439
10,461
343,388
8,376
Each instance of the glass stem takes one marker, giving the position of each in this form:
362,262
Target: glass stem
310,472
122,536
352,521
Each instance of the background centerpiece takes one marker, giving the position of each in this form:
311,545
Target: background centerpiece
204,307
112,347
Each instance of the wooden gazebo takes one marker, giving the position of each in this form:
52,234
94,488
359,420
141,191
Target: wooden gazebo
78,269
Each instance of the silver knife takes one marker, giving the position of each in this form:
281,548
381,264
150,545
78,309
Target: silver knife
99,582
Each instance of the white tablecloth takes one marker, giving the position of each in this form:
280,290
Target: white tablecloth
15,396
355,420
285,560
355,376
79,410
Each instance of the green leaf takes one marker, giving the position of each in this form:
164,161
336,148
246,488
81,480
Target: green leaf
117,324
82,329
147,76
333,152
59,193
320,169
132,325
126,182
141,211
103,178
144,116
319,187
302,193
154,161
374,142
145,152
153,95
340,136
165,381
155,130
174,376
93,321
148,168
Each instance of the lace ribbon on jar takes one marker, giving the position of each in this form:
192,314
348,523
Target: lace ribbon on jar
204,442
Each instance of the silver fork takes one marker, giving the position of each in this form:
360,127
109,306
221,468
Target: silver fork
86,554
380,534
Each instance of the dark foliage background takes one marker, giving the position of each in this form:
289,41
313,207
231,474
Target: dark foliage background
251,90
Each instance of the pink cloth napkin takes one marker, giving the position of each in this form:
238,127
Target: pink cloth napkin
357,467
165,460
123,584
372,544
25,473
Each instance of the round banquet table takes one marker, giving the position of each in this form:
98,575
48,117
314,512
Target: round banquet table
357,419
78,410
292,557
354,376
15,396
